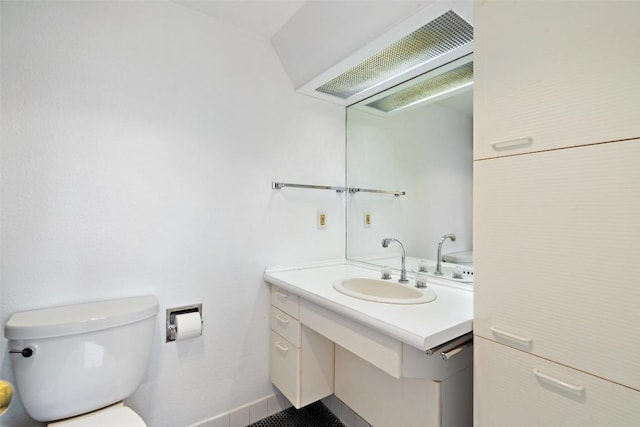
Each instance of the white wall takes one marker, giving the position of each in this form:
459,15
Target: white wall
426,152
139,141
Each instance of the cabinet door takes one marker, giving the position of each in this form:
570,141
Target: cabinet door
551,74
512,388
557,250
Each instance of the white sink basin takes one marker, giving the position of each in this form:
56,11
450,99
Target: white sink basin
386,291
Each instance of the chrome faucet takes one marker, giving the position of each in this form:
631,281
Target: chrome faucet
403,271
452,236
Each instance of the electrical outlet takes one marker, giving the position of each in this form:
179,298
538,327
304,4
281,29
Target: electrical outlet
322,220
366,217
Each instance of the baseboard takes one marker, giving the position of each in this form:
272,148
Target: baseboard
247,414
272,404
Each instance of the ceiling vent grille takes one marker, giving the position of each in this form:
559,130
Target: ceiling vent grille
440,36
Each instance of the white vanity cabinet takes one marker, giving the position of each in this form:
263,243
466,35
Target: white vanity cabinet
553,74
393,364
302,361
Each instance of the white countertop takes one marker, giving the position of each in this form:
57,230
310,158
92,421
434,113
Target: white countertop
419,325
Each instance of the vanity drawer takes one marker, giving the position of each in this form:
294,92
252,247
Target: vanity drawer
303,375
286,326
285,368
516,388
285,301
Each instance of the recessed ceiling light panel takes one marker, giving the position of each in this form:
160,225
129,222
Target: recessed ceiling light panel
439,37
456,78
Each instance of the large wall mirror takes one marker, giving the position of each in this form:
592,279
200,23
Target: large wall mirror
414,138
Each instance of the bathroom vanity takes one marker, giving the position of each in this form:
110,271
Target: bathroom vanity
388,362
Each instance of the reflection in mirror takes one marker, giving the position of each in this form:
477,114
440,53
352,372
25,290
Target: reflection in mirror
424,149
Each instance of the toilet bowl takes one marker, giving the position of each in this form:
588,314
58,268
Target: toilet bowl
74,365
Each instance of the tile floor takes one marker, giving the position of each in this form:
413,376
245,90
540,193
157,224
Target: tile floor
313,415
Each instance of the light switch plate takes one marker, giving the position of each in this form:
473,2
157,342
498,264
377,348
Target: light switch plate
322,220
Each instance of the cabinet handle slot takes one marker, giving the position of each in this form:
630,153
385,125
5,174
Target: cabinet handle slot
571,388
282,294
281,347
282,320
521,142
510,336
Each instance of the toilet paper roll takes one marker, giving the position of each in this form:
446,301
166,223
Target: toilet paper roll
188,325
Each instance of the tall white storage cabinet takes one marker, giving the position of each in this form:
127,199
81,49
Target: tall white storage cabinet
557,213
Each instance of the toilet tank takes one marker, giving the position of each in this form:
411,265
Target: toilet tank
84,356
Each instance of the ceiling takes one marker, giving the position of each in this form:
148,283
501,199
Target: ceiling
260,17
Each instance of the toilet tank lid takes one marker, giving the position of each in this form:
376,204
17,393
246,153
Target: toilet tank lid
79,318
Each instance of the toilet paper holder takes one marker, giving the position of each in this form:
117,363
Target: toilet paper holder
171,318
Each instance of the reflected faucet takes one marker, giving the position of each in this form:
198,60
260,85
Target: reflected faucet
403,271
452,236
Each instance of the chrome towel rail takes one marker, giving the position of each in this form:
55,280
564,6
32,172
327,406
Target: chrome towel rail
446,355
281,185
449,345
368,190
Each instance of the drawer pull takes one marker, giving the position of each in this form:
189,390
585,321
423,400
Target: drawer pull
513,143
281,347
282,294
512,337
572,388
282,320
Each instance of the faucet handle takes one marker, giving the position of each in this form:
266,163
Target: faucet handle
386,273
421,280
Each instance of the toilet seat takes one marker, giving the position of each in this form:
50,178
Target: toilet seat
118,415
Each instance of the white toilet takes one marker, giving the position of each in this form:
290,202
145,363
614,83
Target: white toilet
74,365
